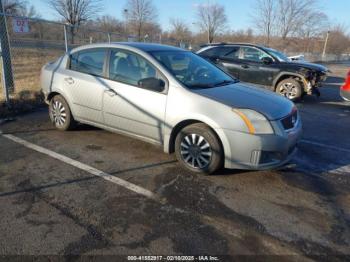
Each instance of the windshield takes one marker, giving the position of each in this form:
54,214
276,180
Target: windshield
279,55
192,70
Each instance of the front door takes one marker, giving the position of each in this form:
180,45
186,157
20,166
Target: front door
127,107
252,69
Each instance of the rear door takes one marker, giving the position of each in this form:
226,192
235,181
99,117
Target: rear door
84,85
228,58
225,57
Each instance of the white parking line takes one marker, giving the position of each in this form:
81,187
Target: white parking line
91,170
341,170
325,146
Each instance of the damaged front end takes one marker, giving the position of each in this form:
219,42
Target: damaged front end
313,80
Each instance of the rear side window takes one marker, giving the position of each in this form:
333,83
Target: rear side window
88,61
231,52
211,52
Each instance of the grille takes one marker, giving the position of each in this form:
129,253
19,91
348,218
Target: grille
290,121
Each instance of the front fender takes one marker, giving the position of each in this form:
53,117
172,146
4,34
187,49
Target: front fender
285,73
195,118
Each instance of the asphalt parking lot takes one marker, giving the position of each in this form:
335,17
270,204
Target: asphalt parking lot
112,195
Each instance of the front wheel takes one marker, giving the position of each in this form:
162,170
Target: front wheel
290,88
60,114
198,149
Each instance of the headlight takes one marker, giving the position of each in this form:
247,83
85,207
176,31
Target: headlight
256,123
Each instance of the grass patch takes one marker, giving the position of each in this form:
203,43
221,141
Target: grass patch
26,66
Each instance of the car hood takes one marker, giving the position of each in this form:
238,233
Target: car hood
312,66
239,95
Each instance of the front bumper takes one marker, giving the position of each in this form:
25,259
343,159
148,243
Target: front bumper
345,94
260,152
313,83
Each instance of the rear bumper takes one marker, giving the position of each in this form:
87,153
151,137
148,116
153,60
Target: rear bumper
260,152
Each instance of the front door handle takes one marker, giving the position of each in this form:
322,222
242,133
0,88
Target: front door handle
111,93
69,80
245,66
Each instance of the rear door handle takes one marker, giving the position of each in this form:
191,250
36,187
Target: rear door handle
69,80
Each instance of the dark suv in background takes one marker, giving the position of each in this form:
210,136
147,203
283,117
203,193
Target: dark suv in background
267,68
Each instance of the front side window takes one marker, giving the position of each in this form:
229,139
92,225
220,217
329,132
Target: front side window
88,61
129,68
192,70
280,56
253,54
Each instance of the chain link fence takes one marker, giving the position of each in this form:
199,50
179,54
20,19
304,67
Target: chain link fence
31,44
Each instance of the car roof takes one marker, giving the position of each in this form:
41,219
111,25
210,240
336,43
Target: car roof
233,44
150,47
145,47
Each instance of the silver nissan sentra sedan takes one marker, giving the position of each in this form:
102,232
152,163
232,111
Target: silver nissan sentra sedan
173,98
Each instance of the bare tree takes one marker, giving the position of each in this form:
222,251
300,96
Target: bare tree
179,30
293,14
13,6
75,12
139,13
29,11
314,25
339,41
264,17
152,32
288,18
109,24
211,19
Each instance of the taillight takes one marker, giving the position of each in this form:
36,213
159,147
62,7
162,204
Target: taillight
346,86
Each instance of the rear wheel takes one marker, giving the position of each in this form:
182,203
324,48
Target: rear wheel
60,114
290,88
198,149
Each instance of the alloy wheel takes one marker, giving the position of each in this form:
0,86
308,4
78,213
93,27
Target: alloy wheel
196,151
289,90
58,113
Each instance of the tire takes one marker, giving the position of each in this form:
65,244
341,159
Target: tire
60,114
205,155
291,89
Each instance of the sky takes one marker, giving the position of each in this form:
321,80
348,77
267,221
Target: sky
237,11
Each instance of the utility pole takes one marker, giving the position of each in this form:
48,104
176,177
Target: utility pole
208,35
208,24
325,45
126,15
7,76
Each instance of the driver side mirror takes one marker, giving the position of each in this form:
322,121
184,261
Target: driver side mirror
267,60
152,84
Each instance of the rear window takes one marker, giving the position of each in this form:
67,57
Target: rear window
88,61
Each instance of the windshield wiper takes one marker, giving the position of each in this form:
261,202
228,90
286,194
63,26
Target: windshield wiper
225,83
200,86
